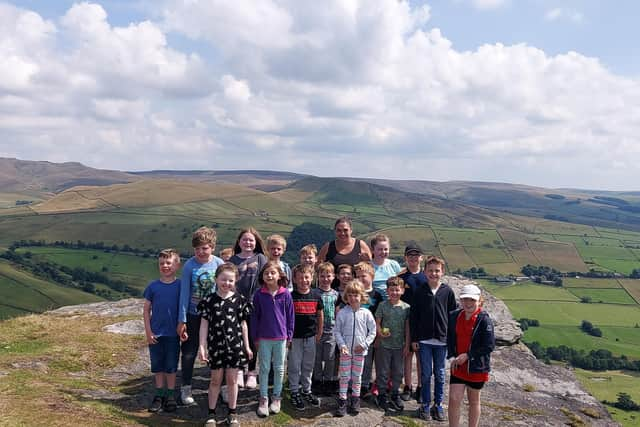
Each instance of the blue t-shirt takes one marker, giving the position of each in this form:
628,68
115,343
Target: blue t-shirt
388,268
198,281
164,307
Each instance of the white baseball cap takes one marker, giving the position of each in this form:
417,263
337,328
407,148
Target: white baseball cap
470,291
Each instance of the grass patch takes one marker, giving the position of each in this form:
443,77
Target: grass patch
588,282
612,296
633,287
532,292
43,353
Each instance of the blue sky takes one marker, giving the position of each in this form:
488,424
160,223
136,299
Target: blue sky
537,92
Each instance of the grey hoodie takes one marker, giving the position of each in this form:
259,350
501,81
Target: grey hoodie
355,328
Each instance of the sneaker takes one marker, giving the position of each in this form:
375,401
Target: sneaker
355,405
437,413
240,380
383,402
252,381
185,395
396,402
232,420
156,404
274,408
263,407
211,421
418,394
310,399
342,408
406,393
423,413
296,401
170,404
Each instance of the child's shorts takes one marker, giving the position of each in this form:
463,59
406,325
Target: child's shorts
164,355
474,385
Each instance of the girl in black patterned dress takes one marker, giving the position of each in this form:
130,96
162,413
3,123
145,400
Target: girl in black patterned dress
224,340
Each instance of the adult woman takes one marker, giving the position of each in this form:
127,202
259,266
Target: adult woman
345,249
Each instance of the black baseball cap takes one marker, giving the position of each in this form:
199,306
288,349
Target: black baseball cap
413,247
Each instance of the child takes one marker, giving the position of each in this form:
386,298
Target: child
412,276
307,332
309,255
224,339
324,370
470,341
226,254
276,246
197,282
383,266
250,259
272,328
355,331
364,274
160,326
392,343
345,275
428,321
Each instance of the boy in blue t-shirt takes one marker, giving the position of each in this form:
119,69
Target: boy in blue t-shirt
160,322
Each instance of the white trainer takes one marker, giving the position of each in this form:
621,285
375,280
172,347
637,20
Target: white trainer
275,405
252,382
263,407
185,395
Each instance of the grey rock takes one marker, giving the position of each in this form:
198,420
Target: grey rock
507,330
129,327
125,307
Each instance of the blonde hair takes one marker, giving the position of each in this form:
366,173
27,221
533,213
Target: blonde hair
227,266
169,253
226,252
364,266
326,267
310,248
355,287
276,239
203,236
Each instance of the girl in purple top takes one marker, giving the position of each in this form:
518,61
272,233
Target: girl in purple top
272,328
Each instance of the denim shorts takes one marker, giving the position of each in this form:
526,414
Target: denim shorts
164,355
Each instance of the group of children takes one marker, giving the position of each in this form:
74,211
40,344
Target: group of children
233,311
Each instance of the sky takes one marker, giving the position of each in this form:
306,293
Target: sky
538,92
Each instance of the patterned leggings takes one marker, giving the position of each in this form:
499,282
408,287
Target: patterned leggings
350,369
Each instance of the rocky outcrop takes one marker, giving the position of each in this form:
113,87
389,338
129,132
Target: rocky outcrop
522,391
507,330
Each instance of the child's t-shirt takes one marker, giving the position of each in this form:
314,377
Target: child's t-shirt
329,300
248,272
198,281
393,317
306,307
388,268
164,307
375,298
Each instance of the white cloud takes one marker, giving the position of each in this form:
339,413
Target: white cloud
310,88
488,4
558,13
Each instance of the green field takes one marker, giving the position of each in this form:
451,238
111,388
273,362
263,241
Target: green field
22,293
611,296
555,335
530,292
136,271
606,385
587,282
